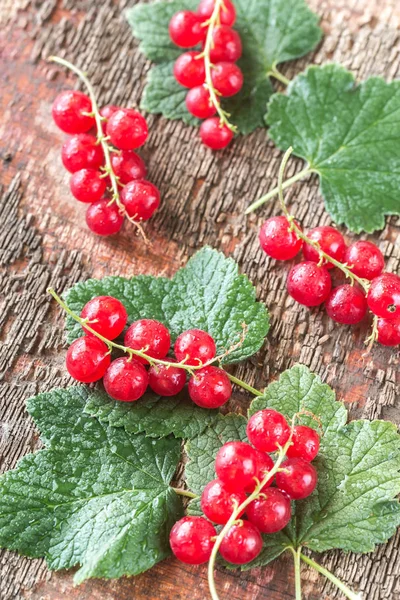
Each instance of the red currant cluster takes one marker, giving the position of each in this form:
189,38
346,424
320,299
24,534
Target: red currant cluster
243,487
111,178
309,282
147,343
211,73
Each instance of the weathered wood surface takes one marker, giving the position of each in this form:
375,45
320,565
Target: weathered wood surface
43,241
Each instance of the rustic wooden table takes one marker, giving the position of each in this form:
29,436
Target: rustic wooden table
44,241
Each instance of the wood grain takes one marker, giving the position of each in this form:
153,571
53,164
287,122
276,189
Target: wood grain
44,241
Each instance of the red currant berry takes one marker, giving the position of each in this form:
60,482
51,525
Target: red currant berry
106,315
125,380
227,45
167,381
364,259
87,359
87,185
236,465
128,166
196,346
192,540
267,429
198,103
271,512
189,69
389,332
330,241
218,502
309,284
264,465
305,443
347,304
104,218
210,387
214,135
277,241
82,152
227,13
298,478
384,296
69,110
149,336
185,29
108,110
227,79
242,544
127,129
141,199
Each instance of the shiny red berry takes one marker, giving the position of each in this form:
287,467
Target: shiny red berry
309,284
264,465
227,78
242,544
87,185
347,304
198,103
218,502
82,152
389,332
125,380
227,45
384,296
305,443
364,259
104,218
214,135
69,112
149,336
277,241
227,13
298,478
165,380
196,346
236,465
128,166
271,512
141,199
189,69
331,242
108,110
185,29
127,129
210,387
267,430
192,540
87,359
105,315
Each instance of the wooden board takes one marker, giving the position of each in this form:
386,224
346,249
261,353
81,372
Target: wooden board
43,241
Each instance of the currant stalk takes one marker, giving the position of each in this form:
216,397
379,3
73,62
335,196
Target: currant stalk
103,141
342,587
273,72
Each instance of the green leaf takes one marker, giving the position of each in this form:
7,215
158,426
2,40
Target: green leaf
208,293
272,31
96,496
350,136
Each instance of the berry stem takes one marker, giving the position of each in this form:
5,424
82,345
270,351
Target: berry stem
185,493
244,385
273,72
342,587
297,572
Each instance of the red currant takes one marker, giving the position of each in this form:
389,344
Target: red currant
347,304
87,359
227,13
128,166
189,69
82,152
309,284
277,241
87,185
389,332
198,103
298,478
384,296
185,29
191,540
305,443
214,135
242,544
227,45
330,241
264,465
267,429
125,380
227,79
69,110
210,387
149,336
271,512
364,259
167,381
236,465
127,129
218,502
196,346
108,110
104,218
106,315
141,199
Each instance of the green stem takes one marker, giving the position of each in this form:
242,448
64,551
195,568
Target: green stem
297,572
275,191
342,587
278,75
244,385
185,493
